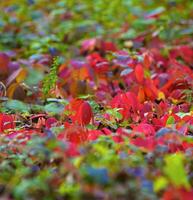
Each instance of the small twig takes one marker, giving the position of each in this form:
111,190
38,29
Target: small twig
3,91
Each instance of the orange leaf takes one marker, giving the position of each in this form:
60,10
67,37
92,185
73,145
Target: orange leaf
147,61
148,92
21,76
17,76
78,88
141,95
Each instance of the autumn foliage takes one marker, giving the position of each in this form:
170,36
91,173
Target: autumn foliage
105,116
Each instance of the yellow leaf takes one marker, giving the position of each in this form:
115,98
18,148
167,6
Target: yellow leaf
160,183
21,76
161,96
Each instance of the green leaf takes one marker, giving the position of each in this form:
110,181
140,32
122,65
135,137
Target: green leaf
160,183
157,11
17,106
34,77
54,108
175,170
68,188
170,120
115,113
49,81
182,114
130,34
86,96
141,23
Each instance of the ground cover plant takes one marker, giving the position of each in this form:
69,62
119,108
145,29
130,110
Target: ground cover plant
96,100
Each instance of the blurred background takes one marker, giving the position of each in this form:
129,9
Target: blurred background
44,26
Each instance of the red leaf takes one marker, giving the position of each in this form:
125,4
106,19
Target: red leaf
74,134
147,61
108,46
94,134
147,129
150,90
127,101
117,138
165,118
6,122
75,104
82,112
72,150
50,122
178,193
99,64
187,54
89,45
4,65
139,73
147,143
